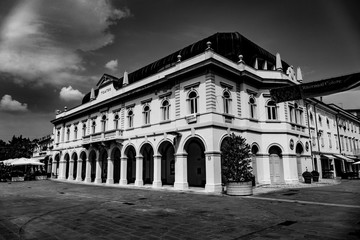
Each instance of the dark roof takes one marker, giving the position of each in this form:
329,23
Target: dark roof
228,45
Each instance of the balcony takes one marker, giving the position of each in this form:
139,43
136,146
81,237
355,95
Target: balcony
103,136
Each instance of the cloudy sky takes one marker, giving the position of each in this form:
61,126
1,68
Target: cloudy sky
52,52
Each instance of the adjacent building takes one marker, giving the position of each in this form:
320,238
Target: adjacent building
165,123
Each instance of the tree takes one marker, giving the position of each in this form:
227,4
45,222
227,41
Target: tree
17,147
236,159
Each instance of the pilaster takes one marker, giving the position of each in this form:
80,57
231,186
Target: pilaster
139,171
110,171
157,171
181,181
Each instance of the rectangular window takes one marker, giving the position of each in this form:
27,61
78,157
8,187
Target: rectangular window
336,142
347,145
329,136
75,133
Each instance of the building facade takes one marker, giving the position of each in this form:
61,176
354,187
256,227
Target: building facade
165,123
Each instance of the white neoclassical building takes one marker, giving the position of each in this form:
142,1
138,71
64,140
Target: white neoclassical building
165,123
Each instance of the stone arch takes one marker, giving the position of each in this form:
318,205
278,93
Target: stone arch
186,141
74,158
299,149
196,170
166,150
92,159
67,164
222,143
57,165
276,164
103,162
83,164
116,158
254,160
147,154
130,154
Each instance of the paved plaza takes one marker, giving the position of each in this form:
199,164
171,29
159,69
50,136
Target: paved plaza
58,210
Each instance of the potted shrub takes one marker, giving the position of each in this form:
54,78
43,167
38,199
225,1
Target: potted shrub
307,176
236,169
315,175
17,176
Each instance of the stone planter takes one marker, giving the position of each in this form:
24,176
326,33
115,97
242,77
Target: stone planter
42,177
17,179
239,188
307,180
315,178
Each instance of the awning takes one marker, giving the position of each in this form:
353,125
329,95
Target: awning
343,158
327,156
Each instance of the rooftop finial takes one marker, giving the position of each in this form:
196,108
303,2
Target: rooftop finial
125,79
265,65
178,58
208,46
241,59
256,64
299,75
278,62
92,94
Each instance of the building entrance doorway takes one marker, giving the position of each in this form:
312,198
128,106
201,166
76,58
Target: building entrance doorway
276,166
196,163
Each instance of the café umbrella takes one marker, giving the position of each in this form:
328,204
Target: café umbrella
26,161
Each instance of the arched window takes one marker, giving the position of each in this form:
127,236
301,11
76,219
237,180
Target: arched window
103,123
271,110
84,130
146,113
58,136
193,102
67,133
227,102
165,109
116,121
311,119
130,117
320,121
93,126
75,132
252,107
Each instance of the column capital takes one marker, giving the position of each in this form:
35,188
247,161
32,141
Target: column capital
212,152
180,154
124,158
157,155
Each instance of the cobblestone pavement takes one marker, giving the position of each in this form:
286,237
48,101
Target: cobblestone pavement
58,210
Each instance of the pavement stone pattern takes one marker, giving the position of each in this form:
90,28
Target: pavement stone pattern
59,210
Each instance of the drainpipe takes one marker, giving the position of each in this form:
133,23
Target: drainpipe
337,129
308,120
316,126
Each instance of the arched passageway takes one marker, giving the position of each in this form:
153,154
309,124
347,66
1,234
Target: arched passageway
276,165
195,162
224,141
254,164
299,151
83,166
103,164
75,162
67,165
147,153
92,159
117,164
131,164
57,165
167,151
